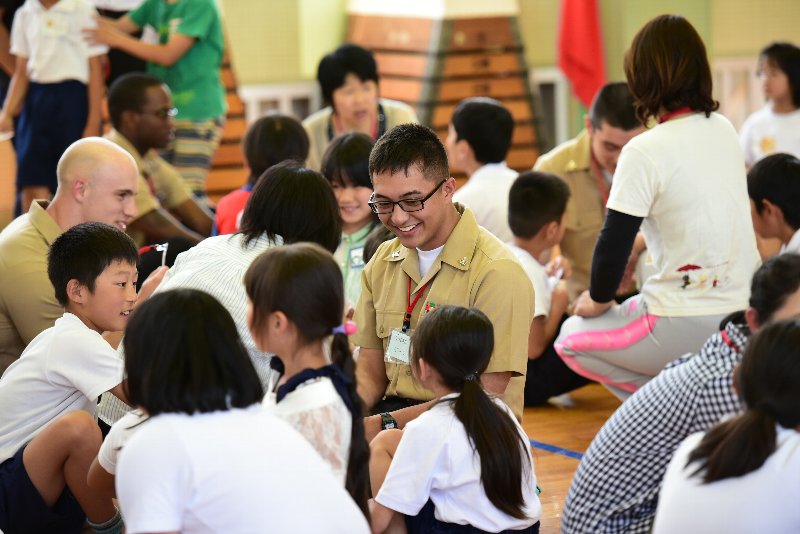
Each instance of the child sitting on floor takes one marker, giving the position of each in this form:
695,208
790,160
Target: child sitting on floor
750,462
774,188
48,434
465,464
296,304
536,205
209,458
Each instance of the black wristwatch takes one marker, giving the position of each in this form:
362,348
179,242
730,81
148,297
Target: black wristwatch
387,421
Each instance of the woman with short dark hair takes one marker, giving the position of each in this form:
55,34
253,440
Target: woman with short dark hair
683,182
348,79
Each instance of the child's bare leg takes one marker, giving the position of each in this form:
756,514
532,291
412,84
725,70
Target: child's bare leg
32,192
61,455
382,449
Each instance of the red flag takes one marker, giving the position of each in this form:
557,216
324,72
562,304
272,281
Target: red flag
580,48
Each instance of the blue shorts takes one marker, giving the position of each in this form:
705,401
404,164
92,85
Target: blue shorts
53,117
425,522
22,509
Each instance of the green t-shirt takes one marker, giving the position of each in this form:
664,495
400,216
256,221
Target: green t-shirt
194,80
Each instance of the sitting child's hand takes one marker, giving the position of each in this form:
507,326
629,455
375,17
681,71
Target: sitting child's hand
559,264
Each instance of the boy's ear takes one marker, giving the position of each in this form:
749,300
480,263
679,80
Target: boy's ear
76,291
772,210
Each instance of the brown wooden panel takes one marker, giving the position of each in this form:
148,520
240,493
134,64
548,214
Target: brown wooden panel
522,157
520,110
497,88
399,64
228,78
235,105
392,33
226,180
482,34
401,89
234,128
480,64
228,155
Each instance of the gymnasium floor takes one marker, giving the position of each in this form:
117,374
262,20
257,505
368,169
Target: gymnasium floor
558,437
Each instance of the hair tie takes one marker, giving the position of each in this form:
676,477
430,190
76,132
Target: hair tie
471,376
348,328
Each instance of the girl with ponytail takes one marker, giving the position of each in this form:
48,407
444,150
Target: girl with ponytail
748,463
464,465
296,298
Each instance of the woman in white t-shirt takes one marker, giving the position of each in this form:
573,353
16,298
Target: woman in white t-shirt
743,475
683,182
775,127
208,458
465,464
296,305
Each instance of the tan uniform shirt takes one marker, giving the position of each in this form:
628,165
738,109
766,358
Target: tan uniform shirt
586,212
317,124
28,302
160,184
475,270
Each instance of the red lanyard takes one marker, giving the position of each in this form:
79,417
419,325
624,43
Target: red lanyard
728,341
411,305
673,114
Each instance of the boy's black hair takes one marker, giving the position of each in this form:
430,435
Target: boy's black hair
614,105
183,354
786,57
129,93
409,145
777,178
346,160
295,203
334,68
272,139
535,199
83,252
486,125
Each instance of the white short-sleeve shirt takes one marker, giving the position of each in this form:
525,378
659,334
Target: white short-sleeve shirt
766,132
64,368
234,471
117,437
686,178
435,460
764,500
52,40
486,194
542,290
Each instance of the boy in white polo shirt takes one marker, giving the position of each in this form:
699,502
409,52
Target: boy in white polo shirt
536,205
773,185
48,434
57,83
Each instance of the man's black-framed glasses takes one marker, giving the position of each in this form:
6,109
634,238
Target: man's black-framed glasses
162,113
384,207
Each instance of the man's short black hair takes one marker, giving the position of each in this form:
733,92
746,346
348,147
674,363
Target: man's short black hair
486,125
83,252
614,104
410,145
535,199
129,93
334,68
777,178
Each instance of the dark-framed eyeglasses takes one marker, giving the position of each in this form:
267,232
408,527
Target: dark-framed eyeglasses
383,207
162,113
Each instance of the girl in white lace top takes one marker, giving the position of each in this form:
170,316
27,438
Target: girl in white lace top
296,298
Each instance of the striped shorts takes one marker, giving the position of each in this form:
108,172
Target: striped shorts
193,149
